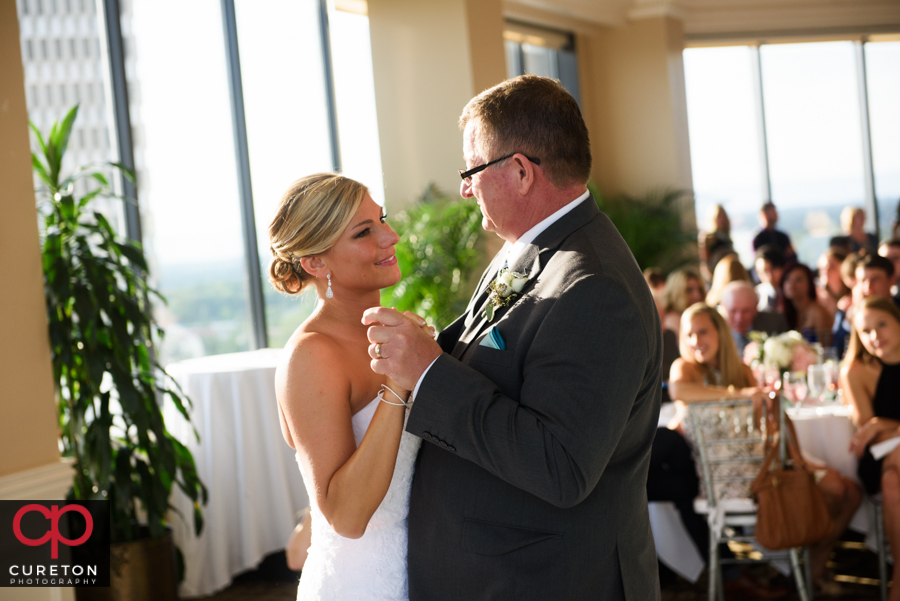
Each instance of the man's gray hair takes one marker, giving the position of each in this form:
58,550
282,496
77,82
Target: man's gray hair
732,287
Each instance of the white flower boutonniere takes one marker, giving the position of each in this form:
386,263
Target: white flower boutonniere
504,289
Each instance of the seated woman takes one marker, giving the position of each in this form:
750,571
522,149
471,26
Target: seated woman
801,306
684,287
870,378
709,370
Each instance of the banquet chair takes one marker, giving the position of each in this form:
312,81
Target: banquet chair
731,449
881,543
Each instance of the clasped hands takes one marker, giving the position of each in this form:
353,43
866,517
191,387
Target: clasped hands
402,344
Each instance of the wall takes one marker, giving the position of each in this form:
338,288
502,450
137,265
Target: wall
429,59
28,424
634,102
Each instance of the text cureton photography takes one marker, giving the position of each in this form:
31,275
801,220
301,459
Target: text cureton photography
54,543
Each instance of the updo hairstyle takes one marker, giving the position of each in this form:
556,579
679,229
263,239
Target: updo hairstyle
309,220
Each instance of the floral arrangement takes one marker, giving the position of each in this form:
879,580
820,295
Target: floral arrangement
788,351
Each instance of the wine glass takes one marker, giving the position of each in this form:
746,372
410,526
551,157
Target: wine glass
817,380
794,386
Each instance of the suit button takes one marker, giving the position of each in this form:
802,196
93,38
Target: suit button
443,444
426,435
451,448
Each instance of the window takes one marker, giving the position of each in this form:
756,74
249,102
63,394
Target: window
50,78
187,180
799,134
539,51
726,145
883,77
183,124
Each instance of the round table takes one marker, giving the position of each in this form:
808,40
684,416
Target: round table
254,484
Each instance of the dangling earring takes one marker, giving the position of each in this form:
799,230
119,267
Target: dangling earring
329,293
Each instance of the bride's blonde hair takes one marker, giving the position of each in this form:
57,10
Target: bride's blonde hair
309,220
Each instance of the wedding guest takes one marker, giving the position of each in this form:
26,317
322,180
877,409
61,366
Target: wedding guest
684,287
709,369
890,249
874,275
739,302
715,243
769,264
840,330
870,379
768,218
801,307
705,371
728,270
855,238
831,291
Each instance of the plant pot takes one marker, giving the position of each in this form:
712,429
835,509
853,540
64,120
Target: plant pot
142,570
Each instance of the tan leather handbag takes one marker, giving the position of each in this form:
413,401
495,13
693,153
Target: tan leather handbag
791,510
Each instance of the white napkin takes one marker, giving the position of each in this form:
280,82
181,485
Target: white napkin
883,448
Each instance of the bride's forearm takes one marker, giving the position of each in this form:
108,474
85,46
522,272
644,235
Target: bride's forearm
357,488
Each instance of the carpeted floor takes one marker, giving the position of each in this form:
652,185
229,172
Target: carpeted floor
855,569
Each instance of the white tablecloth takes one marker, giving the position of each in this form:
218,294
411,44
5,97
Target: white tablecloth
825,434
255,488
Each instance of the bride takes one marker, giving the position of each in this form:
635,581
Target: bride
345,422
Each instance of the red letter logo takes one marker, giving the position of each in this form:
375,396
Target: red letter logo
53,534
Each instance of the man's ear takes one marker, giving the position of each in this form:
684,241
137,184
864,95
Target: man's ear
314,266
524,174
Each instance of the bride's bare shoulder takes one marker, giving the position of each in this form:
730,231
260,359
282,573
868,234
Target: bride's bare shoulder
311,350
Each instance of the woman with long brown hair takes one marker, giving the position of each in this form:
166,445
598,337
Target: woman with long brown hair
870,378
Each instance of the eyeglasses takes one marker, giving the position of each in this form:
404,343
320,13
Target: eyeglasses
466,174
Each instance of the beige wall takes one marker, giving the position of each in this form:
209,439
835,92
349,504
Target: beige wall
633,96
429,58
27,412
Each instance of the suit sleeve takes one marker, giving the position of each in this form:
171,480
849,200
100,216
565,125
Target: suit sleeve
581,376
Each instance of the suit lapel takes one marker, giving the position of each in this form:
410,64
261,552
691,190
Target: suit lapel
476,304
530,262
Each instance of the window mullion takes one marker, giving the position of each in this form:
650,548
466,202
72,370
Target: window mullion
868,166
756,70
259,336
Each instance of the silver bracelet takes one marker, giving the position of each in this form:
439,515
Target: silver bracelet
381,397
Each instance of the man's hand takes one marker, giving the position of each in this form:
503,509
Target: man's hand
405,346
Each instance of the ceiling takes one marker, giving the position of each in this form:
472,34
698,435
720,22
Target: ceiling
712,17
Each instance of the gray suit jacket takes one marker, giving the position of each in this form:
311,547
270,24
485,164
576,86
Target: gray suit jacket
531,483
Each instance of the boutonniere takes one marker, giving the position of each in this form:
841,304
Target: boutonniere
504,289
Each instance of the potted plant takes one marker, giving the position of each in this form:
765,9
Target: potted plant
651,226
109,388
438,254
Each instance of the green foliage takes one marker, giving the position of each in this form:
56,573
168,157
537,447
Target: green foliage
437,255
109,386
651,226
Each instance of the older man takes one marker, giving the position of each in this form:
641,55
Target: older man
739,301
539,405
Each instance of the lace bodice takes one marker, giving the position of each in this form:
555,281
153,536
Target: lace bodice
372,567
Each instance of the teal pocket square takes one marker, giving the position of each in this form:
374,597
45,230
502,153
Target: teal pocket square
494,340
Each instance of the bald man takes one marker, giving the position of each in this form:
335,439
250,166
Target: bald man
739,301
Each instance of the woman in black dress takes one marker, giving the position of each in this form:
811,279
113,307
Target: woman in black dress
870,378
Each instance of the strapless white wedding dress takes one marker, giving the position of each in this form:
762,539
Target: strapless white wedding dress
372,567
